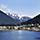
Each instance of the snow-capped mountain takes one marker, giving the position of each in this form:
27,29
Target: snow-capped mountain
17,17
24,18
14,16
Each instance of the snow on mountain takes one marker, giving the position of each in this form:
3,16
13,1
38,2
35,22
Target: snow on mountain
24,18
13,14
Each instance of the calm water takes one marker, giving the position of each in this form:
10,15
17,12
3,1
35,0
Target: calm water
19,35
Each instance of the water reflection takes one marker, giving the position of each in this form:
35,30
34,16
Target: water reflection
20,32
19,35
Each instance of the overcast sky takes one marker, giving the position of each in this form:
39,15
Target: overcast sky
22,7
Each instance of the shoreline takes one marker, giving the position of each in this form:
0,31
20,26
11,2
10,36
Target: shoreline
17,30
35,29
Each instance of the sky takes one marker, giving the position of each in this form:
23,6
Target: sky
29,8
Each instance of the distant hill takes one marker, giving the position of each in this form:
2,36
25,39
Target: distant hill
35,20
24,18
